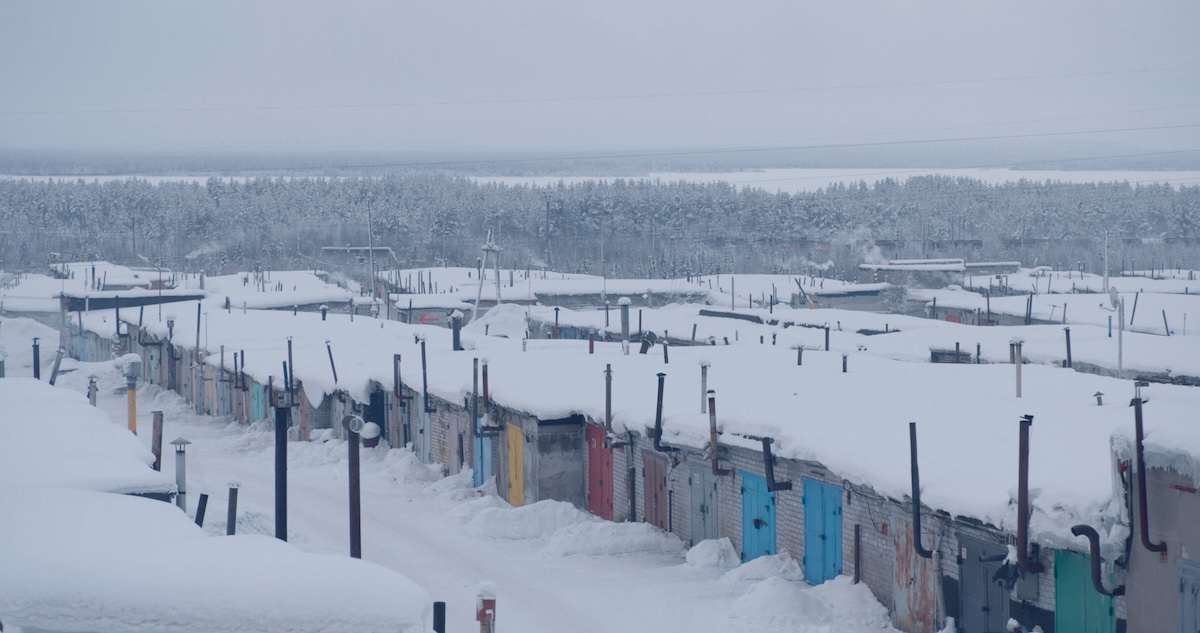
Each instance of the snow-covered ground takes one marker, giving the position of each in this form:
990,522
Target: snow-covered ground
555,568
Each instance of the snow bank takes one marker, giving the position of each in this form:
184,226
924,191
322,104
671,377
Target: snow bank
717,553
781,565
88,561
54,438
775,604
537,520
605,538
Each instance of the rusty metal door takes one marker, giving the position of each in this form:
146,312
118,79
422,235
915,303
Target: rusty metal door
915,583
703,488
983,600
600,473
654,478
1189,599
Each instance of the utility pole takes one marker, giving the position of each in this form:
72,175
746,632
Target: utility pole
547,194
371,251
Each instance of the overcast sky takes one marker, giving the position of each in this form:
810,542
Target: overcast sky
601,74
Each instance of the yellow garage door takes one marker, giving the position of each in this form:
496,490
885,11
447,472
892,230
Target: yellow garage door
516,465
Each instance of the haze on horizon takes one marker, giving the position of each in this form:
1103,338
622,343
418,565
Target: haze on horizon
545,75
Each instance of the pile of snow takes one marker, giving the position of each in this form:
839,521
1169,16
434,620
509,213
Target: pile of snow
88,561
54,438
775,604
718,553
603,538
537,520
781,565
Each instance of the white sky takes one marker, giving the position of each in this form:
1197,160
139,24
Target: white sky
543,74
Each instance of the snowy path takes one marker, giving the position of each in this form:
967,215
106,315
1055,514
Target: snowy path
417,524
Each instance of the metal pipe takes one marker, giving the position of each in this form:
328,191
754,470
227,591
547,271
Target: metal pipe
1019,360
918,546
181,472
201,508
703,387
1094,549
396,375
456,329
1023,561
291,376
439,617
231,512
712,434
1143,510
332,366
281,424
608,397
355,491
624,303
156,439
424,379
57,361
37,359
857,555
662,378
769,468
1067,331
486,400
827,338
666,354
475,390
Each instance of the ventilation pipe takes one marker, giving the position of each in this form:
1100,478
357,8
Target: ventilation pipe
1094,547
704,386
424,379
608,397
1143,511
1018,360
456,329
712,434
291,385
1023,561
662,378
769,468
624,303
333,367
918,546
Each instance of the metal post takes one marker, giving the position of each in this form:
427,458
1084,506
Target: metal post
355,488
281,424
156,439
201,508
1067,331
439,617
827,338
37,359
1018,363
231,512
608,397
1121,338
180,445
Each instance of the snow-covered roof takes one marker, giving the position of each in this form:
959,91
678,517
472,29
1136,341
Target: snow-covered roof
77,560
54,438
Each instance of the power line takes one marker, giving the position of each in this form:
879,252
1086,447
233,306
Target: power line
620,97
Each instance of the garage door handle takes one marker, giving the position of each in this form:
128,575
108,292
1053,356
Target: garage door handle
759,523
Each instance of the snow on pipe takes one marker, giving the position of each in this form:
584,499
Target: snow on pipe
1143,511
712,434
1023,561
918,546
662,378
1094,548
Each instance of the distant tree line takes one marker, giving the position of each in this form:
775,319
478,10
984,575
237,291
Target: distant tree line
620,228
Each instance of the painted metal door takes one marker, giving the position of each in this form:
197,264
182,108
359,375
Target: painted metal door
915,583
654,477
482,455
1078,607
257,393
454,449
758,517
983,600
600,473
516,464
822,531
1189,600
703,488
172,369
424,436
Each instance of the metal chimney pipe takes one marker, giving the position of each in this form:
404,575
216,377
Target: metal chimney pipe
624,303
658,417
1023,561
355,485
1018,361
712,433
37,359
486,400
608,397
1067,331
424,379
456,331
918,546
329,348
231,511
703,387
281,424
1143,510
1094,549
291,376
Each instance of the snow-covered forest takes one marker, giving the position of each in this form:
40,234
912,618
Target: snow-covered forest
620,227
